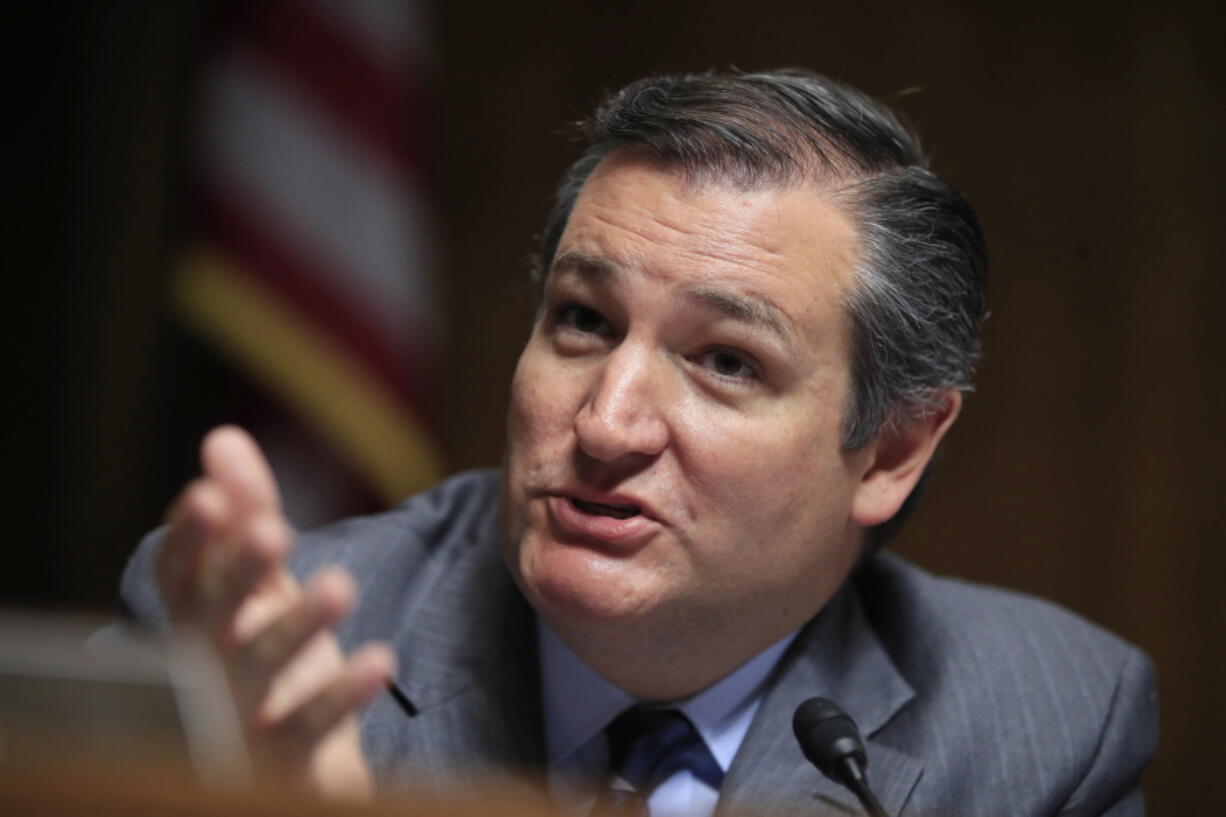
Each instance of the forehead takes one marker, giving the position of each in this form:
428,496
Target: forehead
785,254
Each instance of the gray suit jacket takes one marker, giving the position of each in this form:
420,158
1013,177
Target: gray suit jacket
973,701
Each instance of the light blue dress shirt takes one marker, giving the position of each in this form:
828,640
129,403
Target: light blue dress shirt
579,704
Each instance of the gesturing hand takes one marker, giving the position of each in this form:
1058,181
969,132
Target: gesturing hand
221,568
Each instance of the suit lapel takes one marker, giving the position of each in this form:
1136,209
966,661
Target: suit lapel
468,687
837,656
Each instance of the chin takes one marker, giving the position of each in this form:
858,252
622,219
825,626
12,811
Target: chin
569,583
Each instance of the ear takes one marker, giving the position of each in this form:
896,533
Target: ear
896,460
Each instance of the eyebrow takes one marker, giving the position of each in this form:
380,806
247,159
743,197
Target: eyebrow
755,311
592,268
746,310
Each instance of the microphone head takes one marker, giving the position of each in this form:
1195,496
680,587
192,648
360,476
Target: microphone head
828,736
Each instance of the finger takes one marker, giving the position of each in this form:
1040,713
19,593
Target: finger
325,600
257,555
196,521
365,675
229,455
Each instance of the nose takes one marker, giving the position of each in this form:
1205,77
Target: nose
624,411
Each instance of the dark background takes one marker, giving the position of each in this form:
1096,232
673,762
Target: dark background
1086,466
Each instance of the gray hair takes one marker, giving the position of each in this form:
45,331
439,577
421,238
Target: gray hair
919,299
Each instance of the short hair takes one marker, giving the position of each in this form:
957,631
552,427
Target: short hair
919,296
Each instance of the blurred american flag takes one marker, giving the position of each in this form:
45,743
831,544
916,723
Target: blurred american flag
310,266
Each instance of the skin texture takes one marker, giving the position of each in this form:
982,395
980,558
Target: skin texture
692,358
221,569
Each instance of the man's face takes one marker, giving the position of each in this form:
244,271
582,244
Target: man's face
673,461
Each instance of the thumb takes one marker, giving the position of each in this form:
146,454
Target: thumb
231,456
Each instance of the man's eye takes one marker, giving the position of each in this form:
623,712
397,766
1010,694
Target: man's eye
582,319
728,364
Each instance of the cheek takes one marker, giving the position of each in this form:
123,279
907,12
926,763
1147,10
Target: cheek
767,448
540,421
770,481
539,403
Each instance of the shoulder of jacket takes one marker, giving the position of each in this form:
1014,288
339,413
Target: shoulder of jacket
937,628
459,510
950,606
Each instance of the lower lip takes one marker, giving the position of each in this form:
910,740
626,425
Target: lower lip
622,532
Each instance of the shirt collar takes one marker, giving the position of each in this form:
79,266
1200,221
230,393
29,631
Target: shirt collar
578,703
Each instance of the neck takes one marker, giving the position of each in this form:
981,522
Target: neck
672,666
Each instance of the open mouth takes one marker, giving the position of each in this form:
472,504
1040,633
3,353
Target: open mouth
600,509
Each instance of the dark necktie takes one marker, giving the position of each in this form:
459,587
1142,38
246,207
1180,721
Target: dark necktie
646,747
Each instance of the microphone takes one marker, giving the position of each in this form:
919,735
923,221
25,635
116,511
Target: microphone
831,742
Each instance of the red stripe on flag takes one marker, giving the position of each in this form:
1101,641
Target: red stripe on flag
373,100
266,256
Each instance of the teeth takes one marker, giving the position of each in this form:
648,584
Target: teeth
616,511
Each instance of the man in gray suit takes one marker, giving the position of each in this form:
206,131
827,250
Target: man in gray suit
758,312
